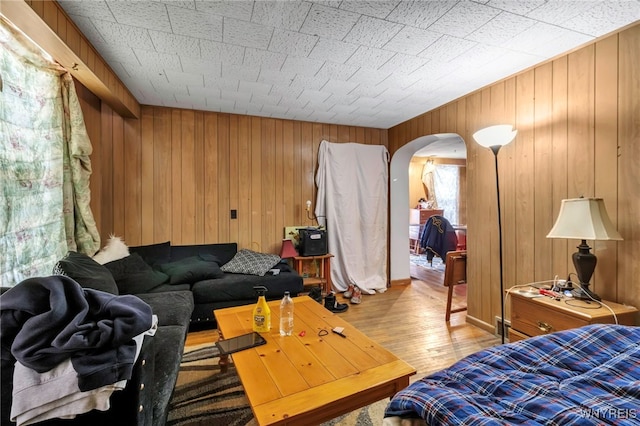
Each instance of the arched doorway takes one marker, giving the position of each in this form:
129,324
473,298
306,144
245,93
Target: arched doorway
399,201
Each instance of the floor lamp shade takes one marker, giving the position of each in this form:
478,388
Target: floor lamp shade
499,135
584,219
288,250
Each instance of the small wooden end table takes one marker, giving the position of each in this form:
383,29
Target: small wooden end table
322,274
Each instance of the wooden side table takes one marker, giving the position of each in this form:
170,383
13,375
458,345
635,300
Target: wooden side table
541,315
315,270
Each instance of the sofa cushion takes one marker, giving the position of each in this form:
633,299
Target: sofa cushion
86,272
251,262
223,251
163,288
154,254
239,287
171,307
133,275
192,269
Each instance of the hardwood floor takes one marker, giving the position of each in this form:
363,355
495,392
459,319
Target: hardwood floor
409,321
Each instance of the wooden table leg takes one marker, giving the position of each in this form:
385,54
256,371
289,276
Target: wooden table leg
224,358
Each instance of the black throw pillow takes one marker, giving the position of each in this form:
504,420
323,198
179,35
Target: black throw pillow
86,272
134,276
193,269
154,254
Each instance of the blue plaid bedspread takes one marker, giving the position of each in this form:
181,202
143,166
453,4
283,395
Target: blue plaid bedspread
584,376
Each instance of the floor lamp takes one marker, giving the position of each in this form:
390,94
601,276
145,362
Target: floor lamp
494,138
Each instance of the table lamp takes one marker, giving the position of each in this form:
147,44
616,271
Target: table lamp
288,250
584,219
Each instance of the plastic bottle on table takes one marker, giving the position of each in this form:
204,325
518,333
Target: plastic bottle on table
286,315
261,312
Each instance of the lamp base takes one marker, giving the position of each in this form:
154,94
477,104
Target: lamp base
585,263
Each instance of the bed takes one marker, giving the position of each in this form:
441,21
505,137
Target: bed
584,376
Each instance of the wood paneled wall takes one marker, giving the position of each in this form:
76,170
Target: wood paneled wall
175,175
578,122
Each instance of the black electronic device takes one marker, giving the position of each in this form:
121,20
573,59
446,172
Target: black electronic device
239,343
582,292
313,242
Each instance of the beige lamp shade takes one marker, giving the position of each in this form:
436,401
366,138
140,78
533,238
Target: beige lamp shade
499,135
584,219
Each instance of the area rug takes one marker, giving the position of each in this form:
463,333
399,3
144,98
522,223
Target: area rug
206,396
421,260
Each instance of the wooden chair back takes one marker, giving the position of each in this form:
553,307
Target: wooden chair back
462,240
455,273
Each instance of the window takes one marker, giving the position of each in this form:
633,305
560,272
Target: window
447,189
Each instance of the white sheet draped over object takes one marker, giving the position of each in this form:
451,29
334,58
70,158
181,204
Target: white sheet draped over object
428,180
352,182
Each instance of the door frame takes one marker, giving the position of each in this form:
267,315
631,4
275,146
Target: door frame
399,203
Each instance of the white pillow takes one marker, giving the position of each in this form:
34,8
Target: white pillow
115,249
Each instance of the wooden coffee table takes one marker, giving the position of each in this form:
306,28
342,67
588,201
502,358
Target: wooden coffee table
306,379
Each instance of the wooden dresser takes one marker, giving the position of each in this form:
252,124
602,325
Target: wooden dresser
420,216
534,316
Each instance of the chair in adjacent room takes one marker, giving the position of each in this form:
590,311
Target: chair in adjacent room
455,273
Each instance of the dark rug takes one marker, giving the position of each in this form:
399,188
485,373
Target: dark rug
206,396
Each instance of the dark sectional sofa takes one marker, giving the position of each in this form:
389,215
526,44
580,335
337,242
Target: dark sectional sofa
183,285
218,290
145,399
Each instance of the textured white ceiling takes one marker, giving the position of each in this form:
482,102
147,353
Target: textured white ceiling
362,63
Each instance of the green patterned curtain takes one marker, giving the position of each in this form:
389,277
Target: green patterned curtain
80,227
44,163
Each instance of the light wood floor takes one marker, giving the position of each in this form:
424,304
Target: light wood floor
409,321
